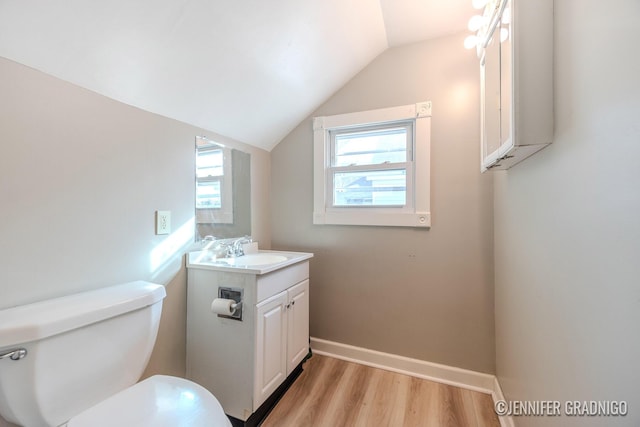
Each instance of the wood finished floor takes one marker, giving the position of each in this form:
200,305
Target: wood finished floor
334,393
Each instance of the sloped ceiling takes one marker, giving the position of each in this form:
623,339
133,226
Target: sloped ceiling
247,69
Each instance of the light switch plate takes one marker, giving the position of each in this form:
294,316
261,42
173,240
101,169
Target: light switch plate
163,222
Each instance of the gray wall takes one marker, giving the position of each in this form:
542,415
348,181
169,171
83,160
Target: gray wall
567,228
81,177
426,294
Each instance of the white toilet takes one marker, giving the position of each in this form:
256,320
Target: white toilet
74,361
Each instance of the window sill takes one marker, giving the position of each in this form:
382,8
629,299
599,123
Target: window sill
389,219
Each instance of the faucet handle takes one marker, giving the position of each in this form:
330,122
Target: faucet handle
208,238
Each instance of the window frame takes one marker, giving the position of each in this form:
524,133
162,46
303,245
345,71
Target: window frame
416,211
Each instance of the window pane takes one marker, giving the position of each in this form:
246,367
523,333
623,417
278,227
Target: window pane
209,163
371,147
208,195
370,188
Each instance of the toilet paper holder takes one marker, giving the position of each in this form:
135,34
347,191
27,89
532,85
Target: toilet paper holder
235,294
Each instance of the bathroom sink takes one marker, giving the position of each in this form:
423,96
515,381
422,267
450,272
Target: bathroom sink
260,262
253,260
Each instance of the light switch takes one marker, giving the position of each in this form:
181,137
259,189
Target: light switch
163,222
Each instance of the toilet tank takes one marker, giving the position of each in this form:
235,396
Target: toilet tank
80,349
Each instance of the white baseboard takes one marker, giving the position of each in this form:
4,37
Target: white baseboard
457,377
496,394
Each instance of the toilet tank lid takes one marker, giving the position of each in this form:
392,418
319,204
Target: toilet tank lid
43,319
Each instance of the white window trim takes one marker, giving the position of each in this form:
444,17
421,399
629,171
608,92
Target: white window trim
420,214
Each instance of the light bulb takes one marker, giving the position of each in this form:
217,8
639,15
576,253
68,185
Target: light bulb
479,4
475,23
504,34
470,42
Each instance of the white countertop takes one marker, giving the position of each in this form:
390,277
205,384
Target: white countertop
202,260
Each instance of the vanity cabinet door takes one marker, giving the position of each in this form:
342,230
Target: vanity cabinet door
298,324
271,347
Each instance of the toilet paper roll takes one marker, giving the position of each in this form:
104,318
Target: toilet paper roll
223,306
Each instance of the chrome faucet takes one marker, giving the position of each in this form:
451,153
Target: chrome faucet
235,249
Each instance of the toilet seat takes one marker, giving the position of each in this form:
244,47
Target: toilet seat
158,401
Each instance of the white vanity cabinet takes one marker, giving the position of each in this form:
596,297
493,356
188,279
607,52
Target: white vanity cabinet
282,338
247,363
516,74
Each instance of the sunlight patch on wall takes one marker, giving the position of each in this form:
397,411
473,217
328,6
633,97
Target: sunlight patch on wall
171,247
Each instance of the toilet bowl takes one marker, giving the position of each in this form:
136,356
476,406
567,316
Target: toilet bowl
74,361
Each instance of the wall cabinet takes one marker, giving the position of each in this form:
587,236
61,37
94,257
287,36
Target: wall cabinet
244,362
516,74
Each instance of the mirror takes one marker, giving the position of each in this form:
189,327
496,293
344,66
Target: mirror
223,190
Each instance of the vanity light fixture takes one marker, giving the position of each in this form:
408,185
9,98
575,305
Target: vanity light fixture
481,25
476,22
471,41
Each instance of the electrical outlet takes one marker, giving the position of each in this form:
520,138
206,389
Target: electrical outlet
163,222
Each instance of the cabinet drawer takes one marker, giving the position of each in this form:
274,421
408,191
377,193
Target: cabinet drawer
276,282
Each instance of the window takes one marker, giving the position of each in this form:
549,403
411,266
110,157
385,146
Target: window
214,185
369,165
372,167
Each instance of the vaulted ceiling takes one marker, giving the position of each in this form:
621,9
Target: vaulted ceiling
247,69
